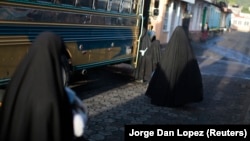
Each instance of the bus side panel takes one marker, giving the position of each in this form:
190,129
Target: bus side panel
88,46
94,38
12,50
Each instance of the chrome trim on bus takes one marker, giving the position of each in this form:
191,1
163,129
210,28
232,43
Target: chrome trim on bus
139,39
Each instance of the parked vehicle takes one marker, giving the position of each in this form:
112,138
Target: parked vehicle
96,32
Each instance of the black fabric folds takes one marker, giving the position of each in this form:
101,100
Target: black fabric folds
147,62
155,53
35,105
177,79
143,70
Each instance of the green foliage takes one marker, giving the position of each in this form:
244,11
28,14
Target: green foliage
232,2
244,3
245,10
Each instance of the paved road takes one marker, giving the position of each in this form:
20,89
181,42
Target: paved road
114,99
226,98
226,101
227,55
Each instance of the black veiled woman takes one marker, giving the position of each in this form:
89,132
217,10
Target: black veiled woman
177,79
155,52
36,106
144,68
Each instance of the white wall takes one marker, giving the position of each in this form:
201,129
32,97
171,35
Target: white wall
196,20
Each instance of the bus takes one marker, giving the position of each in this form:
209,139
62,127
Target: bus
96,32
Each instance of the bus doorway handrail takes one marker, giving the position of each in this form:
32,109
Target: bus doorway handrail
141,28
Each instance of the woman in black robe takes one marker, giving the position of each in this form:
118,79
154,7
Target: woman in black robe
155,52
149,56
36,106
143,69
177,79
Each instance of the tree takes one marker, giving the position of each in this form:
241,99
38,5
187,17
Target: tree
232,2
245,10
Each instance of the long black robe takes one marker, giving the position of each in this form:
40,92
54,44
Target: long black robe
177,79
155,53
35,105
143,68
147,62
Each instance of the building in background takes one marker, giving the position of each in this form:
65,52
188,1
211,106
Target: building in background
170,15
240,21
193,14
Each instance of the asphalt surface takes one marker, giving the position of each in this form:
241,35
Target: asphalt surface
114,99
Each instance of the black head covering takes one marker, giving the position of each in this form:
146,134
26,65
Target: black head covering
177,79
35,105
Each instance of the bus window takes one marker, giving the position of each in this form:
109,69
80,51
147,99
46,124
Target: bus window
134,6
46,1
84,3
115,5
127,5
68,2
101,4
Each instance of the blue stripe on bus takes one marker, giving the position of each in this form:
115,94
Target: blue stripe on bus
88,36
